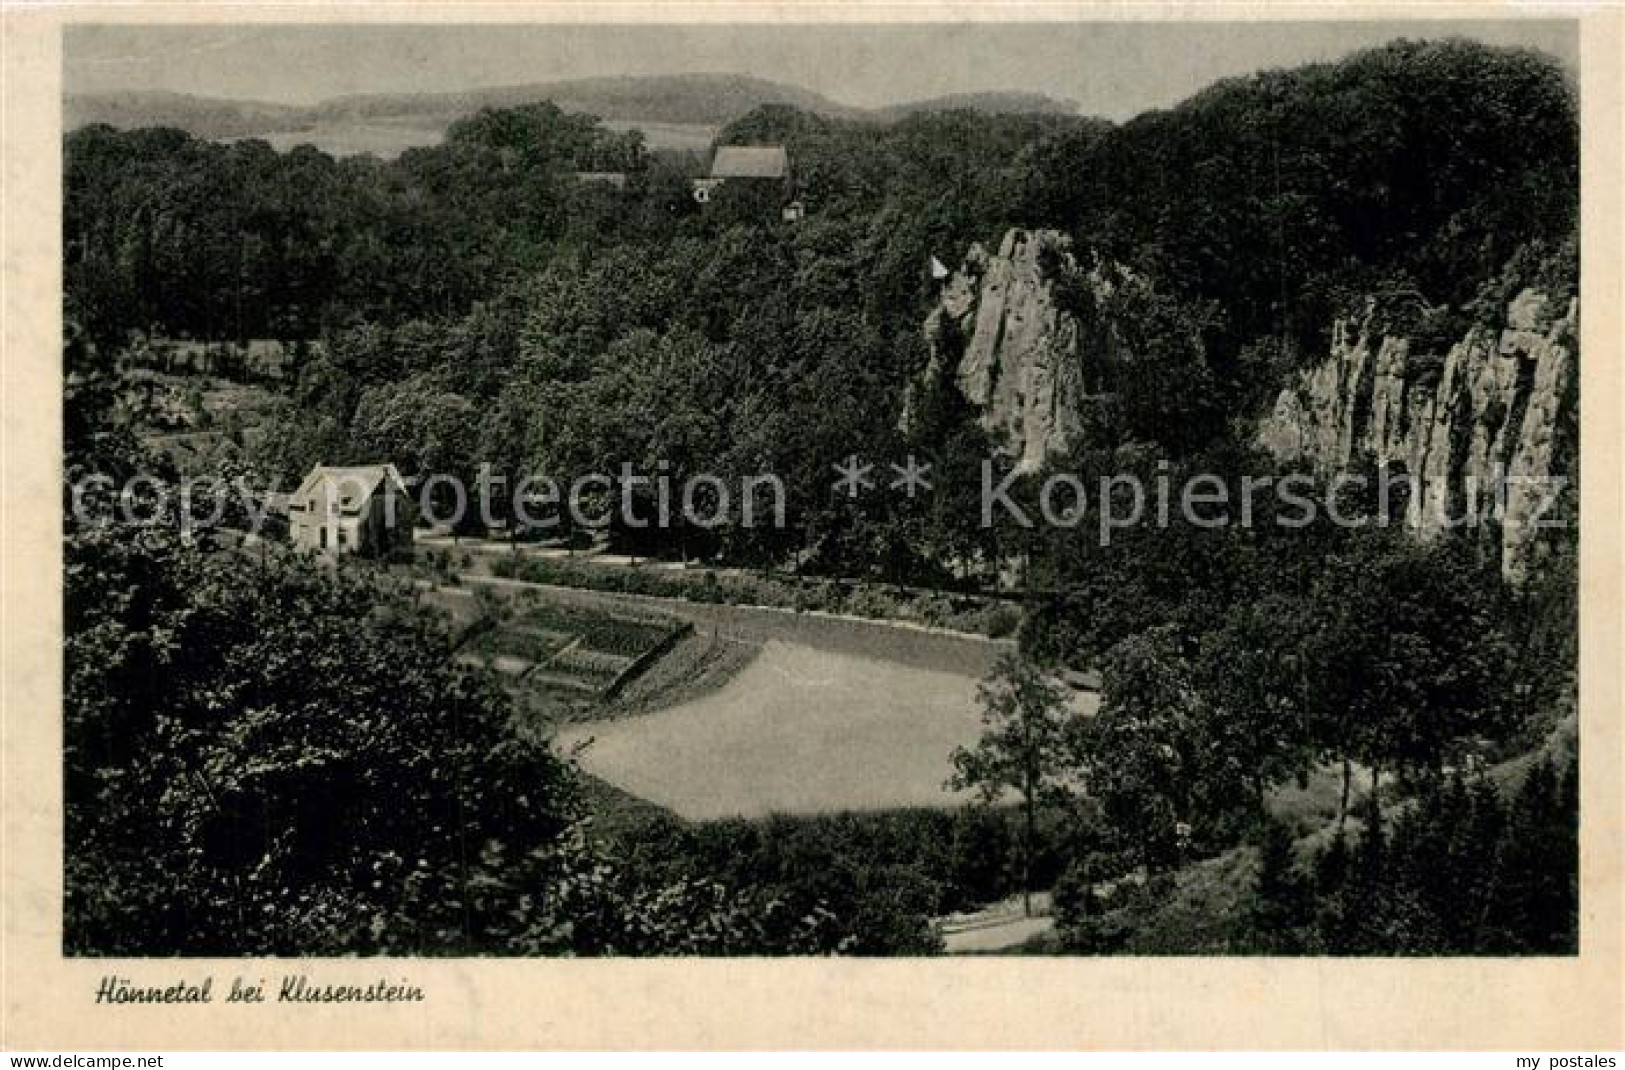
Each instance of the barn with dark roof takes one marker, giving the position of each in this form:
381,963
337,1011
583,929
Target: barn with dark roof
759,165
751,162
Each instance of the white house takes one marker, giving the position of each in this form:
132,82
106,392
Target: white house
358,509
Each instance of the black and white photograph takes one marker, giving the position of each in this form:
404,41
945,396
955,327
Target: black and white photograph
1082,489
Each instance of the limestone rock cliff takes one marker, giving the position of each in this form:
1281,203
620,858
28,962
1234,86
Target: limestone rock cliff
1015,354
1480,441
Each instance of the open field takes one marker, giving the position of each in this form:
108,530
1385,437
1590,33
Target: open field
769,711
674,137
799,730
346,137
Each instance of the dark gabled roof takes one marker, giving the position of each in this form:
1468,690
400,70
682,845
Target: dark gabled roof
750,161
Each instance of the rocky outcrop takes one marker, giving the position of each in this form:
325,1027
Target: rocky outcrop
1015,353
1481,440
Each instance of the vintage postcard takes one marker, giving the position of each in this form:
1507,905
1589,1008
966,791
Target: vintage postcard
715,527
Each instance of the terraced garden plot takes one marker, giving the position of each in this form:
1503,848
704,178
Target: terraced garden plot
596,630
580,661
532,644
562,661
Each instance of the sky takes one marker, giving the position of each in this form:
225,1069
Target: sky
1114,70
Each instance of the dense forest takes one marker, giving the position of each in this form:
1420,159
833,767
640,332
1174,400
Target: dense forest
477,302
509,312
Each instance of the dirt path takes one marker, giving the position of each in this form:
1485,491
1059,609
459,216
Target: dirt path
998,926
1003,935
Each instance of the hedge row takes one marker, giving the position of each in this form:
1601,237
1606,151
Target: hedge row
965,613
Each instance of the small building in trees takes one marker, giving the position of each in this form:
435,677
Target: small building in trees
751,163
764,168
617,179
355,509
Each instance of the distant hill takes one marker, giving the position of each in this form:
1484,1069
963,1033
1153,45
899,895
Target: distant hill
709,99
208,117
691,106
1006,102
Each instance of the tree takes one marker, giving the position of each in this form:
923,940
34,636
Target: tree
1457,871
264,758
1281,898
1249,671
1026,747
1147,751
1404,657
1538,890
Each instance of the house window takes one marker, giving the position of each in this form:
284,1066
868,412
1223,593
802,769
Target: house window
322,532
